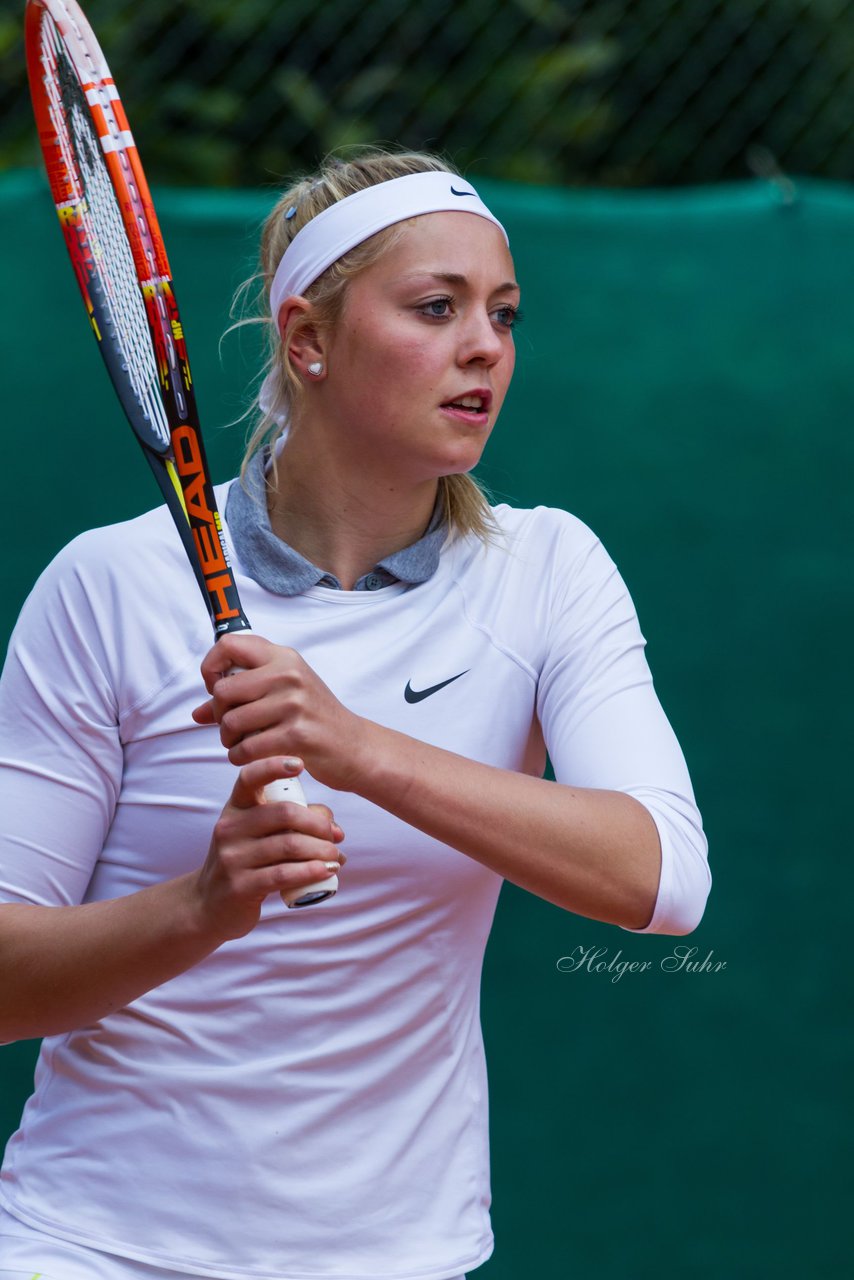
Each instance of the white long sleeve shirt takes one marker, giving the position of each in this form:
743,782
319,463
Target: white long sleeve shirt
310,1100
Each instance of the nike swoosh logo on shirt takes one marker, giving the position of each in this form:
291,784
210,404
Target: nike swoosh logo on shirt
418,695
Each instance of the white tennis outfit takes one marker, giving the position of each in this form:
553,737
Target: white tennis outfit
310,1101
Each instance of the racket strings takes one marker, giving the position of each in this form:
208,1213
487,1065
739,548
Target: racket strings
113,281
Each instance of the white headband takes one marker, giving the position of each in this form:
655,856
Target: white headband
348,222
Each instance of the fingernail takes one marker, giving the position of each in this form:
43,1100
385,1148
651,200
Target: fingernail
291,762
332,867
337,830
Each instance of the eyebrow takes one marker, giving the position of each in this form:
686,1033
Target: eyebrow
462,282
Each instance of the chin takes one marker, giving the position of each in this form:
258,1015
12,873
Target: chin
460,471
461,464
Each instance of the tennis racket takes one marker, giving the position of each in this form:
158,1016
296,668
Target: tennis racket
117,252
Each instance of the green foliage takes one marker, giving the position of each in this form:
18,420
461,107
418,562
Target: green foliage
236,92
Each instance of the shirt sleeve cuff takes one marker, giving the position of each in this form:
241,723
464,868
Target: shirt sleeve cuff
685,879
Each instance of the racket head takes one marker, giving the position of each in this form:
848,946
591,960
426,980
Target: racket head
116,248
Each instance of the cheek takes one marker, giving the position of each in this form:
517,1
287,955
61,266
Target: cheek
503,375
413,349
397,344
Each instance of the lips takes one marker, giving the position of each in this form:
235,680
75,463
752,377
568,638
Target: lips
477,401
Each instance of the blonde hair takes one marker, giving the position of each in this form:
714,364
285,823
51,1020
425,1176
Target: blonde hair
465,504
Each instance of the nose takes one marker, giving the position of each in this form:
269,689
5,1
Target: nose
480,340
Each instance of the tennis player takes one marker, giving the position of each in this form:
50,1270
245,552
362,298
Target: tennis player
228,1088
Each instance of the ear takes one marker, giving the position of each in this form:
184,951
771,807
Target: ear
306,347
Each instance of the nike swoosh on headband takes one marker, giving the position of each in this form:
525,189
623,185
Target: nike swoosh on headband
418,695
454,192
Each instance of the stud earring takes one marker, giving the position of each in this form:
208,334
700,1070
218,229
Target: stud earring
315,368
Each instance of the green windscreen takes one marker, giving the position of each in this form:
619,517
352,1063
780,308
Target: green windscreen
685,385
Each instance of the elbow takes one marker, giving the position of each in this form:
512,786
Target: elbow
684,878
684,919
16,1025
11,1035
690,885
679,916
674,918
19,1023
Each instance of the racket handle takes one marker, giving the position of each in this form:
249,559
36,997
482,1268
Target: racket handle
291,789
307,894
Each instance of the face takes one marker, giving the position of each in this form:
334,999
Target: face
420,361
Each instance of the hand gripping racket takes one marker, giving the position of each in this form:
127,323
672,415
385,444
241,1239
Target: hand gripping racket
117,252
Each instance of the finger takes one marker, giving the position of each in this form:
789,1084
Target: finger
253,816
252,717
275,741
337,832
248,789
288,847
204,714
245,651
258,821
281,875
289,876
234,696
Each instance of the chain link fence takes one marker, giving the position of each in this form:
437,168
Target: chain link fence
583,92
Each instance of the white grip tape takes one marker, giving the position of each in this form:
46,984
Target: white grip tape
291,789
306,895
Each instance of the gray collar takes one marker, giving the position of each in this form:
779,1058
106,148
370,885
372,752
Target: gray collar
281,569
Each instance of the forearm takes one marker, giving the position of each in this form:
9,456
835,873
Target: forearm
65,967
596,853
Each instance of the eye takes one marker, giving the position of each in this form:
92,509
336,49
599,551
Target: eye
508,317
437,308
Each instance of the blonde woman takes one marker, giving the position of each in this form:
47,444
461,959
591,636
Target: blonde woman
228,1088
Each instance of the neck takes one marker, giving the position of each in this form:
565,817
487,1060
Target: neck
347,517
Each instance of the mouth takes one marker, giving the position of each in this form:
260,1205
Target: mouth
473,405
